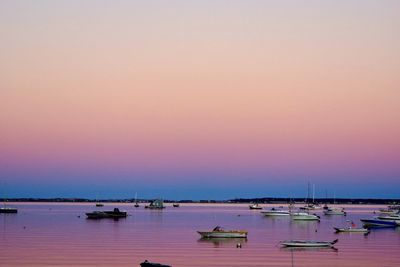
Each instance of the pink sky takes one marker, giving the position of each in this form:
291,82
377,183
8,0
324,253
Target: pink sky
277,89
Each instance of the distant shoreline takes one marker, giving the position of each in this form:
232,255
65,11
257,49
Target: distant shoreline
266,200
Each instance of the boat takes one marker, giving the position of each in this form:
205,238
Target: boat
304,216
155,204
218,232
153,264
114,214
255,206
8,210
351,230
378,223
394,217
175,205
308,243
276,212
136,202
335,211
99,204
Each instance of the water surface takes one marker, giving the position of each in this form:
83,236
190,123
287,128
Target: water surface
53,234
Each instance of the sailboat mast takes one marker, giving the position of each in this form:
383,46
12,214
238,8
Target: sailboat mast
313,192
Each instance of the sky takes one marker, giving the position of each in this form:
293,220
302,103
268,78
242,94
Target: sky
199,99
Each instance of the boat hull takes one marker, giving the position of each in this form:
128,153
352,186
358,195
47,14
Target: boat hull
379,223
275,213
305,217
8,210
152,264
351,230
308,244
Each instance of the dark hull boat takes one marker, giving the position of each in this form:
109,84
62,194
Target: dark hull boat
152,264
115,214
8,210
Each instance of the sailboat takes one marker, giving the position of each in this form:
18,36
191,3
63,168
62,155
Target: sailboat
136,202
312,205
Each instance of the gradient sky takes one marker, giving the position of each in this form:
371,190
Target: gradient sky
199,99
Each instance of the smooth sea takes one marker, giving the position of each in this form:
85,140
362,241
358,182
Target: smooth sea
58,234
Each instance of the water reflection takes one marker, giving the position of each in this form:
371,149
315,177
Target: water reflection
221,242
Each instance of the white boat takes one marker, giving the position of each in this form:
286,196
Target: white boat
334,211
308,243
276,212
351,230
391,218
305,216
255,206
218,232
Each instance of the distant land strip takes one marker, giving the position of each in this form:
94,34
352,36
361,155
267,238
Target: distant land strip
263,200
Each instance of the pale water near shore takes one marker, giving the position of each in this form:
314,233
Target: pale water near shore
53,235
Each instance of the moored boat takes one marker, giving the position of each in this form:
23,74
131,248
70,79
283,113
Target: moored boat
8,210
305,216
156,204
308,243
394,217
175,205
255,206
99,204
275,212
351,230
378,223
218,232
114,214
146,263
334,211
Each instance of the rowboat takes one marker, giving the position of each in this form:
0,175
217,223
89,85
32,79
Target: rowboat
351,230
218,232
308,243
334,211
153,264
305,216
255,207
275,212
378,222
114,214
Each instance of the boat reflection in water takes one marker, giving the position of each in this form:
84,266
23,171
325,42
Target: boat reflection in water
223,242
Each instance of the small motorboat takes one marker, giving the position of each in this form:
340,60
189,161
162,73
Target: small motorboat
351,230
146,263
335,211
378,223
136,205
308,243
175,205
8,210
218,232
255,206
99,204
276,212
305,216
114,214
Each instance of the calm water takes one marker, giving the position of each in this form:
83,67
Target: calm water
55,235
